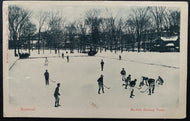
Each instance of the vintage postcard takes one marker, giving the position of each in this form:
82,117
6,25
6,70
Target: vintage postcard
94,59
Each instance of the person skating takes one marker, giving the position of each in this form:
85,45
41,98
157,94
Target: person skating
123,74
100,84
102,65
160,80
46,74
56,95
127,81
151,84
62,55
145,80
132,85
67,58
119,57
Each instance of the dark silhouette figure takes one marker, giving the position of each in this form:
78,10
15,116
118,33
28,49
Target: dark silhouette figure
102,65
151,84
100,84
67,58
119,57
123,74
145,79
46,74
160,80
127,81
132,85
62,55
56,95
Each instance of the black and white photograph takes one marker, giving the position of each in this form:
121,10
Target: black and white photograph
95,59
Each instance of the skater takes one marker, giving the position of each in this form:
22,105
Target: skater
102,65
67,58
100,84
144,79
119,57
160,80
62,55
46,62
151,84
127,81
132,85
123,74
141,84
56,95
46,74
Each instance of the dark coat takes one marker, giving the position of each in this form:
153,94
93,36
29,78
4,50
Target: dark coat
128,79
46,74
123,72
56,93
102,63
151,82
132,83
100,81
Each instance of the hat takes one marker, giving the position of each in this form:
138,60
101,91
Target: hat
102,75
58,84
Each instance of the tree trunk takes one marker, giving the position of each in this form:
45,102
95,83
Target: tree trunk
29,44
15,44
43,47
39,42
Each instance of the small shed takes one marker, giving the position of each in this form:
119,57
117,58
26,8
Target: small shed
168,44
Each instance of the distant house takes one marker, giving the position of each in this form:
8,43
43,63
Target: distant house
168,44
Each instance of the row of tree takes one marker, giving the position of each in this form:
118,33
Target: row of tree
94,32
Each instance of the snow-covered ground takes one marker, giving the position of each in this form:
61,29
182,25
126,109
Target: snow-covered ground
78,78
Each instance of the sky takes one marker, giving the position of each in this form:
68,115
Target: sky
74,11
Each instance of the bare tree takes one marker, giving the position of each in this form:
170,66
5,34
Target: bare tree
140,19
18,17
172,21
26,33
71,34
93,20
158,17
81,29
41,20
56,24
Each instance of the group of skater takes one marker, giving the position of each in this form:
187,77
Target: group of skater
56,93
128,82
131,84
148,82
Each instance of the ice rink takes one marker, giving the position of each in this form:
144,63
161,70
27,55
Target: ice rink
78,78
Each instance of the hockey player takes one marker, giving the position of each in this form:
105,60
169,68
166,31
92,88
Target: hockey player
160,80
100,84
144,79
127,81
151,84
119,57
132,85
102,65
46,74
62,55
67,58
123,74
56,95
